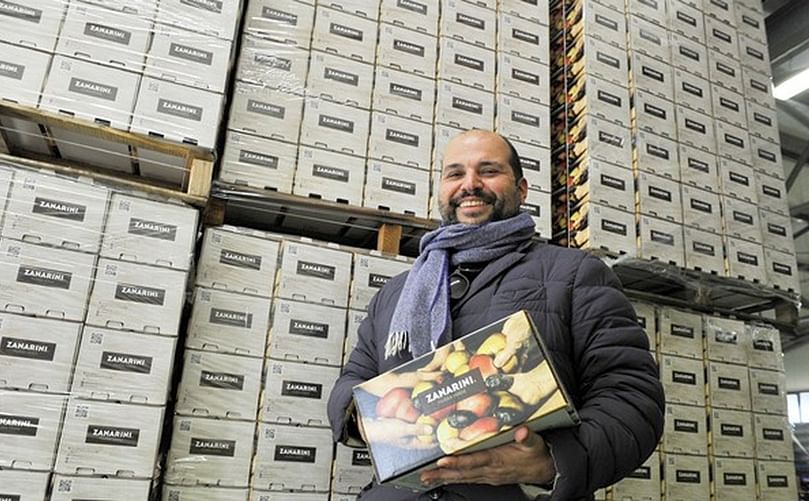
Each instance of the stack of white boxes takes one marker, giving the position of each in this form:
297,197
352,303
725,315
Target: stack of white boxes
726,435
90,321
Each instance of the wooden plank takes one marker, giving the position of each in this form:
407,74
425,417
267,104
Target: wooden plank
4,143
390,235
199,178
786,313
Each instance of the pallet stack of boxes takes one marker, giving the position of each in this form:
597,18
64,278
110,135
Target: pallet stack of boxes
94,291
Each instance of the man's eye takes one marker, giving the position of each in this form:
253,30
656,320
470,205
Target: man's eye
452,175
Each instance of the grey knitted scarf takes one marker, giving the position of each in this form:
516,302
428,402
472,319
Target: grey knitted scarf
422,314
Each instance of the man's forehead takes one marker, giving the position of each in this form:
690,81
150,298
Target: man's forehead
481,143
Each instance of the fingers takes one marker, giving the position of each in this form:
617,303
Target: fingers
527,438
505,354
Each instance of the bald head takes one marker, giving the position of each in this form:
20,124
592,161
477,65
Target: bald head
513,157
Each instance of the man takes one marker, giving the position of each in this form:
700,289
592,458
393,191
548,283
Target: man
588,325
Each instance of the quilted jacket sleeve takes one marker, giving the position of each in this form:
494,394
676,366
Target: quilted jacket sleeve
620,398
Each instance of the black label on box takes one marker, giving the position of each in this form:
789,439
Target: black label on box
688,476
649,3
766,155
525,118
690,54
466,105
273,61
412,6
659,193
654,111
682,16
140,294
684,377
177,109
613,182
112,435
335,123
729,383
11,70
212,447
701,206
763,345
699,165
20,12
341,76
260,159
295,454
782,269
308,328
209,5
682,331
404,91
769,190
703,248
530,209
734,141
777,481
643,473
762,119
346,31
609,98
727,103
403,137
721,4
608,23
726,337
108,33
27,348
692,89
739,178
750,21
524,76
650,37
776,229
301,389
727,70
745,258
19,425
377,281
410,48
735,478
531,164
325,171
279,15
93,89
742,217
608,60
231,318
469,62
657,151
9,497
152,229
686,426
613,227
610,139
360,457
758,85
661,237
470,21
768,389
525,36
126,362
316,270
652,73
44,277
191,54
450,391
240,260
721,35
269,109
731,430
221,380
772,434
391,184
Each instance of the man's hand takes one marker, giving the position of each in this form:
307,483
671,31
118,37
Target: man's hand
398,433
527,460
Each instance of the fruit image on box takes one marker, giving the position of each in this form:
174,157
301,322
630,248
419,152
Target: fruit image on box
472,406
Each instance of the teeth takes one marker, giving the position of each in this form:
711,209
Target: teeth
472,203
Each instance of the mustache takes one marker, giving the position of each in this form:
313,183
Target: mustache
486,196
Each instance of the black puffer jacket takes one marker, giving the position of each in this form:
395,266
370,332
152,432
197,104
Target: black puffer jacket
594,340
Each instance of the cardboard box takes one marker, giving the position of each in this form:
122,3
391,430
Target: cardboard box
522,78
404,94
375,399
407,142
685,431
764,350
296,393
466,64
737,180
150,232
177,113
600,60
600,140
288,459
266,112
598,21
464,107
651,75
647,314
371,272
29,425
728,386
340,80
650,38
409,51
335,127
24,485
29,26
538,204
767,157
527,9
327,175
70,488
768,391
696,130
55,210
258,163
290,23
599,98
22,74
685,477
272,64
355,318
238,260
721,37
256,495
750,23
100,438
659,197
214,452
219,386
701,210
137,297
758,87
188,58
773,437
744,260
728,106
306,332
468,22
741,219
144,8
704,251
352,470
650,10
698,168
203,493
730,433
412,14
103,36
443,135
123,366
721,10
725,72
776,480
594,226
396,188
654,114
733,479
763,122
205,16
523,121
344,34
725,340
681,334
225,322
686,20
7,173
361,8
523,38
603,184
692,92
683,379
782,270
314,274
689,55
536,166
754,55
44,281
36,354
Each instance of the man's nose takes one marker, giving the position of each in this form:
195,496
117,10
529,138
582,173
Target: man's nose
471,181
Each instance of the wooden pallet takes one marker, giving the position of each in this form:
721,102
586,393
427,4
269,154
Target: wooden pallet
196,162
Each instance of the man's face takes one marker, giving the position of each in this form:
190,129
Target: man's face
477,183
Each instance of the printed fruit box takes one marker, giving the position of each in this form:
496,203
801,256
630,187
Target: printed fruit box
462,398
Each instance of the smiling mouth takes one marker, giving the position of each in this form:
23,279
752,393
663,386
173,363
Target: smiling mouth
472,203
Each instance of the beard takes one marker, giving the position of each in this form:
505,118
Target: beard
503,207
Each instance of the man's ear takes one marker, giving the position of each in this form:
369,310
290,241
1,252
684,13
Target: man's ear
522,185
